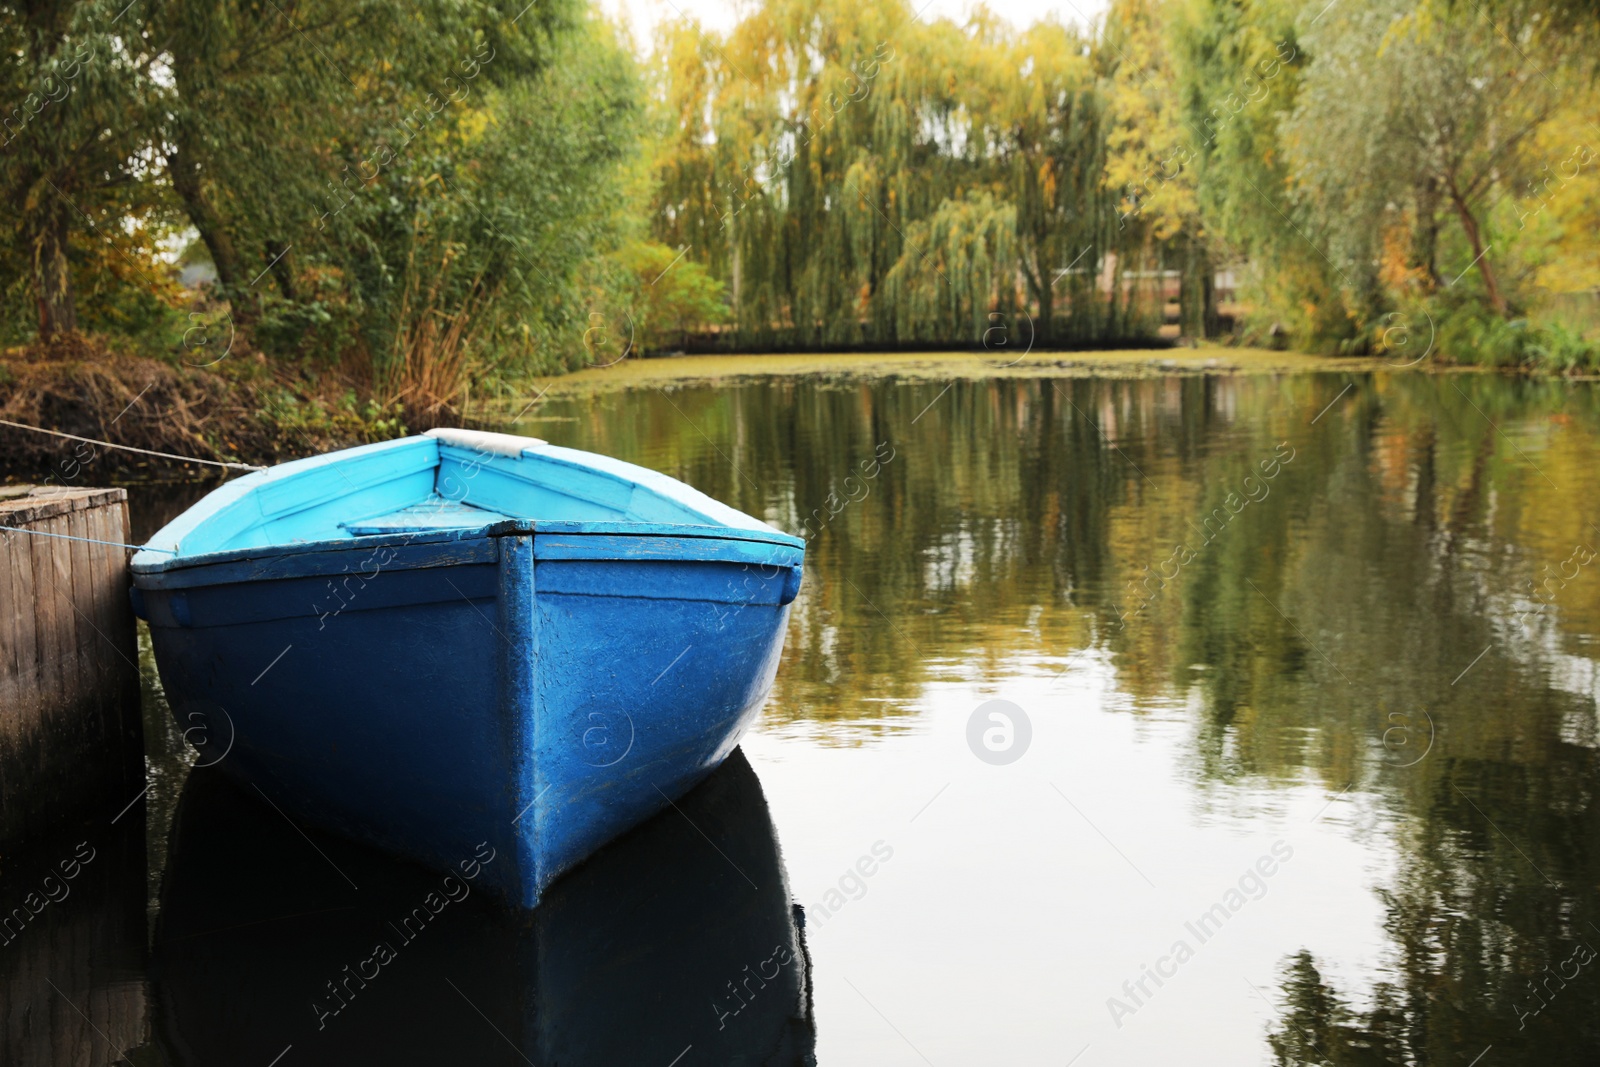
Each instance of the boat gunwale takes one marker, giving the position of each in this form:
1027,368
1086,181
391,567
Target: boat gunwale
188,571
721,520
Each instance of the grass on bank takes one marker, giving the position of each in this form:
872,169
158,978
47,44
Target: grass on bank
1122,363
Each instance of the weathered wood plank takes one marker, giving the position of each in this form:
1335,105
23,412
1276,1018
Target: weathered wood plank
65,628
46,603
104,583
119,610
11,625
20,559
86,646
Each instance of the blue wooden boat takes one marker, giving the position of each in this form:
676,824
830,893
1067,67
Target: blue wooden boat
467,639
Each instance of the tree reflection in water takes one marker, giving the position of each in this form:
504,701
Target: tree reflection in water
1404,614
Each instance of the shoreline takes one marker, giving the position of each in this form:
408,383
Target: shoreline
254,419
944,366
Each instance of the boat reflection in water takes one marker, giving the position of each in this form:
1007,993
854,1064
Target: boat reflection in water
677,940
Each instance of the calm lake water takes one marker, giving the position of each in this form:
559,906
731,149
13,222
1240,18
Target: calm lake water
1296,762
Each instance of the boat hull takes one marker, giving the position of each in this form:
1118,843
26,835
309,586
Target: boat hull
539,691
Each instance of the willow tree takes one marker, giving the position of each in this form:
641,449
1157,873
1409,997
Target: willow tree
956,269
851,170
1150,157
1048,126
762,128
843,162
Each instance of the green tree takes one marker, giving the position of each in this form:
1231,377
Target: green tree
1428,109
284,118
664,297
1051,133
1238,69
1150,163
848,169
487,223
958,264
76,100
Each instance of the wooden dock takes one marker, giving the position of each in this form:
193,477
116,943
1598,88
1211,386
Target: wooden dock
70,731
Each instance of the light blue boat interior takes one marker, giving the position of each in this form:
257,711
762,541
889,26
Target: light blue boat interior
444,480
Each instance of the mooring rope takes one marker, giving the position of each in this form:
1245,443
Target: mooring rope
89,540
130,448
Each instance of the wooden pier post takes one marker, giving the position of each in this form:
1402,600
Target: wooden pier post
70,732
